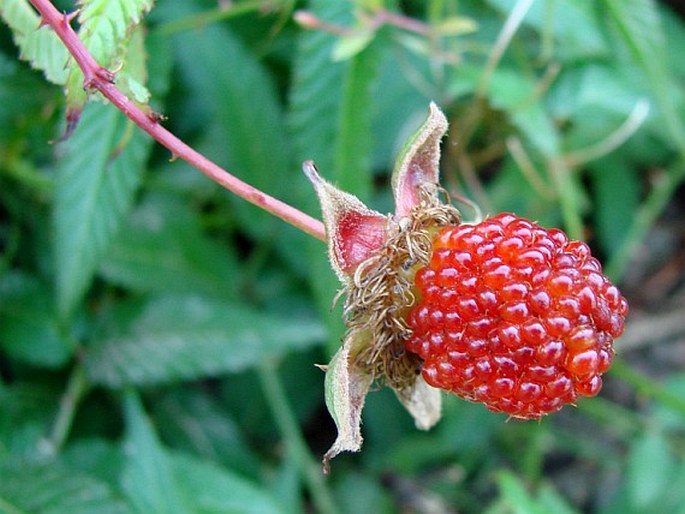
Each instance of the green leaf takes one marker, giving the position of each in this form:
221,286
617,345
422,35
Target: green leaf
550,499
215,490
105,29
583,92
650,468
162,249
148,479
53,489
665,415
674,33
40,47
353,148
639,24
195,421
244,130
358,492
517,499
96,457
182,338
156,481
392,126
514,93
350,45
132,77
329,119
25,416
285,486
29,324
313,114
511,191
24,95
106,22
330,112
515,495
98,174
674,497
574,26
617,186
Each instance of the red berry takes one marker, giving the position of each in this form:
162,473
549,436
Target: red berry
514,316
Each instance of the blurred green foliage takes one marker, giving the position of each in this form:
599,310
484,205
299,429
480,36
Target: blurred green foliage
158,336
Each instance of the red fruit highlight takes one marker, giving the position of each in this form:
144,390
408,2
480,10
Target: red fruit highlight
514,316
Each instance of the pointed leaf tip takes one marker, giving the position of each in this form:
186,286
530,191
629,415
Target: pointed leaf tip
353,230
418,164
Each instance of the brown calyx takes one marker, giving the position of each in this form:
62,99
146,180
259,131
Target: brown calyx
381,291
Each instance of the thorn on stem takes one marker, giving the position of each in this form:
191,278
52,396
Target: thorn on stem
156,117
102,74
105,74
68,17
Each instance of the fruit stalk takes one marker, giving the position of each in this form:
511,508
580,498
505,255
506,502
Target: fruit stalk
101,79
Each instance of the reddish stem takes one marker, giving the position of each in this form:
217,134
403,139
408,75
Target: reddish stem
97,77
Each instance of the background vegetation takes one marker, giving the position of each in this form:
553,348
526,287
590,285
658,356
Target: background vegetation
158,336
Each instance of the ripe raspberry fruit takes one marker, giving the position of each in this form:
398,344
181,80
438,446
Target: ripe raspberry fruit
503,312
514,316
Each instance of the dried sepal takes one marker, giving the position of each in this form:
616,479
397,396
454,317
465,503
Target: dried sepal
417,167
423,402
377,300
376,258
354,231
346,387
381,292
